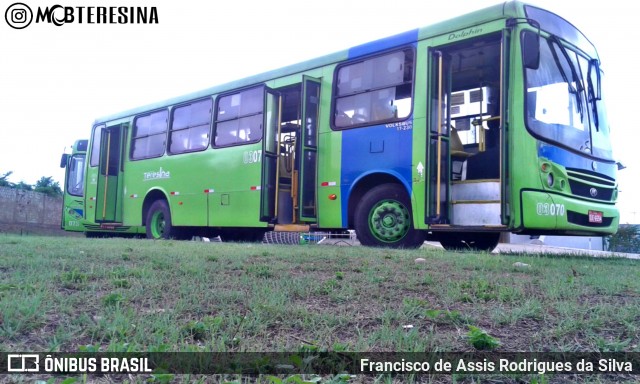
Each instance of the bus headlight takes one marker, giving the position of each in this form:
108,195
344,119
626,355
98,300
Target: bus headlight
550,179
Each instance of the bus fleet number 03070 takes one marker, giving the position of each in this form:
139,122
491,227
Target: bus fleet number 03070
550,209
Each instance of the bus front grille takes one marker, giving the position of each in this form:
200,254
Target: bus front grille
591,185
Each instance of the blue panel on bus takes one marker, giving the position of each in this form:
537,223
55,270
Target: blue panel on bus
571,160
384,44
378,149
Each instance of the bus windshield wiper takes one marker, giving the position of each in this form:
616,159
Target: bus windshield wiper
579,87
593,95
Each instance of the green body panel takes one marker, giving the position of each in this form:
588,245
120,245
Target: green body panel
419,161
329,166
236,170
78,212
546,211
71,219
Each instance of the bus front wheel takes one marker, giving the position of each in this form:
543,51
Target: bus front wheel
383,219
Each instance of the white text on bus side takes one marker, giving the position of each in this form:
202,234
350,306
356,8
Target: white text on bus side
250,157
550,209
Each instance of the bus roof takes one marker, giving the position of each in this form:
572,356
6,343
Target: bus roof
499,11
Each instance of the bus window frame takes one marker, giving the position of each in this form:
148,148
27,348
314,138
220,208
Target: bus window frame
134,131
170,129
73,158
216,121
335,97
565,143
95,147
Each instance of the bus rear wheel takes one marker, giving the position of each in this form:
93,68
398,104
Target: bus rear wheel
383,219
158,223
480,241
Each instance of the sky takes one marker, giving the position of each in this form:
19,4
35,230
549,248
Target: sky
56,80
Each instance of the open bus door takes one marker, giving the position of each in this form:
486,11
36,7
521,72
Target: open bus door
438,142
288,196
270,153
309,148
108,202
466,144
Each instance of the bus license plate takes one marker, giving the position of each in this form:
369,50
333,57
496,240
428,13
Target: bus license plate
595,217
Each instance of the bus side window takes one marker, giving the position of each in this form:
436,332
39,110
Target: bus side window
239,118
190,126
374,90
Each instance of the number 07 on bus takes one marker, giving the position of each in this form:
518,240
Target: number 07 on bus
488,123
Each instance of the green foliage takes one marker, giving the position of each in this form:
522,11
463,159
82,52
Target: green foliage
121,283
23,186
627,239
176,296
196,330
481,340
3,180
113,299
45,185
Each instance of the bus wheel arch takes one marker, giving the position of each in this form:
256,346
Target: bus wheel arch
151,198
364,185
383,218
158,222
156,216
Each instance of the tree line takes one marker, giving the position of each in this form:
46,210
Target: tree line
45,185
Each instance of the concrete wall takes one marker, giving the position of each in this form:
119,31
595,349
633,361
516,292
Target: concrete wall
27,211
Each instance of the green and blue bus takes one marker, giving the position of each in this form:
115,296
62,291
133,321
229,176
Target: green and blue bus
488,123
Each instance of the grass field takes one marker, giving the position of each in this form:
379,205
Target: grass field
75,294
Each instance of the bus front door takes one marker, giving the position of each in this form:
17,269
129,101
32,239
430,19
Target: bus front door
465,138
438,142
108,203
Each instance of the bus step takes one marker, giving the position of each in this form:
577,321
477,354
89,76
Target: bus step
476,213
291,228
476,190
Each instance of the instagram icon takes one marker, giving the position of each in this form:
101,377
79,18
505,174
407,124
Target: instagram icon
18,15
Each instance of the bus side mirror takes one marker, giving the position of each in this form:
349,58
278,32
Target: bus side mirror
63,160
531,50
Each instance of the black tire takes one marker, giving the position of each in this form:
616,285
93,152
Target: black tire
383,219
158,222
480,241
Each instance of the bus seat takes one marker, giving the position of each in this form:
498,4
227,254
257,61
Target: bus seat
456,147
458,156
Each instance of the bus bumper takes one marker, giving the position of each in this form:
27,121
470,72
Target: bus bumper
555,214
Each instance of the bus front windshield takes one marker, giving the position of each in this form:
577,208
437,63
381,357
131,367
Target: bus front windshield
75,177
564,100
564,103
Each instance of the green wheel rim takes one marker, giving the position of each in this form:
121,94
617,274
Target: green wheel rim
389,221
157,225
